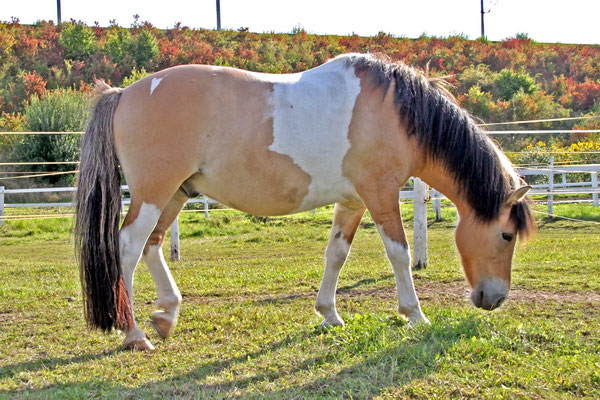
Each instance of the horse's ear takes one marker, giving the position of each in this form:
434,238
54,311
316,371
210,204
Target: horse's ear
516,195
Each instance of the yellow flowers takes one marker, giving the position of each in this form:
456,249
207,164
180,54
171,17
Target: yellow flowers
583,151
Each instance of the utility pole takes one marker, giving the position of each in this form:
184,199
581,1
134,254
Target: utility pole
58,11
218,14
482,26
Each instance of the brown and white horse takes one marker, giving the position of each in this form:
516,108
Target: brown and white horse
350,132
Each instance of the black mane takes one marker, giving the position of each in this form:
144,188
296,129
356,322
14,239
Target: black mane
449,134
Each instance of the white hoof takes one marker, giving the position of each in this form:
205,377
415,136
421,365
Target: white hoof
140,344
420,320
332,322
162,325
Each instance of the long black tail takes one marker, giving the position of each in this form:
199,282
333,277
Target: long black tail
106,301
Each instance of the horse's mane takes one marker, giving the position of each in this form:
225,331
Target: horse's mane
449,134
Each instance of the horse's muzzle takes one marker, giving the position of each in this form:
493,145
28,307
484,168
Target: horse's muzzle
489,294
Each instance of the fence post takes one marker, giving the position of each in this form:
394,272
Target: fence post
420,224
436,203
551,188
1,205
175,240
595,186
205,201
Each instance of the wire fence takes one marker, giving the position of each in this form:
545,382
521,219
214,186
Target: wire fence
14,175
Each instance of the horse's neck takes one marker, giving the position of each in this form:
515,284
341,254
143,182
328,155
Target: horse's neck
435,175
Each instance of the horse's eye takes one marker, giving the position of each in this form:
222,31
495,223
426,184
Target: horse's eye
508,236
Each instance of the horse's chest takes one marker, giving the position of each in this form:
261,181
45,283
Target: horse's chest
311,118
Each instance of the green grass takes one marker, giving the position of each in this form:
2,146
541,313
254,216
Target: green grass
247,328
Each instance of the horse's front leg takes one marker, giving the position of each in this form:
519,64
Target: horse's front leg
382,202
345,223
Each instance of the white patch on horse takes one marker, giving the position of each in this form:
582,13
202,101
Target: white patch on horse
399,256
335,256
132,240
154,84
169,296
311,116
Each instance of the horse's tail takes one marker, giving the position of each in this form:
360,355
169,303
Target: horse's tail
106,302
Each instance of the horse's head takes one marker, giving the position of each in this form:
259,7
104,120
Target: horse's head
486,249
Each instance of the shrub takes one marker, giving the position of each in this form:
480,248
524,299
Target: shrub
118,43
9,123
479,75
508,83
586,95
57,111
144,48
78,41
477,102
135,76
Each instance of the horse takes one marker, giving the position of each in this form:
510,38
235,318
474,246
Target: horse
351,131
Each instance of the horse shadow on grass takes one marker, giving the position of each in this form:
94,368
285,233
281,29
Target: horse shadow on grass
11,370
340,290
368,371
387,366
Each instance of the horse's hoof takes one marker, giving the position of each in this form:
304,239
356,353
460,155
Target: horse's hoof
140,344
328,324
413,322
161,325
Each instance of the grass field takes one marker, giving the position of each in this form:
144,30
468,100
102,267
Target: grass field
247,327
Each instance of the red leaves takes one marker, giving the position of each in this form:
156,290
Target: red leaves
35,85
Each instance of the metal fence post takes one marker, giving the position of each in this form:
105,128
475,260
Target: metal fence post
551,188
175,240
205,201
420,224
1,205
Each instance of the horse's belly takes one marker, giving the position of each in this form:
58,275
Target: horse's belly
269,194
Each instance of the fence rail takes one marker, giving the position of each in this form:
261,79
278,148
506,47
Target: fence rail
420,196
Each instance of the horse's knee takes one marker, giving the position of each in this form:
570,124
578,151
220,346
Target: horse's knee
156,239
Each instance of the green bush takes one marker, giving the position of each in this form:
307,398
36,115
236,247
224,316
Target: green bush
477,75
78,41
508,83
477,102
144,48
61,110
135,76
118,43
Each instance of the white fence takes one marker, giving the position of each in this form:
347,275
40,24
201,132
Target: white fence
420,196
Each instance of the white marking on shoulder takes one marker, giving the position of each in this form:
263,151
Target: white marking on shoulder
311,116
154,84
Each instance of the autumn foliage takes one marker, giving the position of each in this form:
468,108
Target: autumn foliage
502,81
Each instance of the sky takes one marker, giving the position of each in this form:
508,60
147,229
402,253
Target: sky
572,21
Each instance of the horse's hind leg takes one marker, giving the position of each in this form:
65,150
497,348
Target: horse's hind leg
169,298
345,222
139,223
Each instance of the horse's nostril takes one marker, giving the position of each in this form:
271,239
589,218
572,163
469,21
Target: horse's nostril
477,297
499,302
